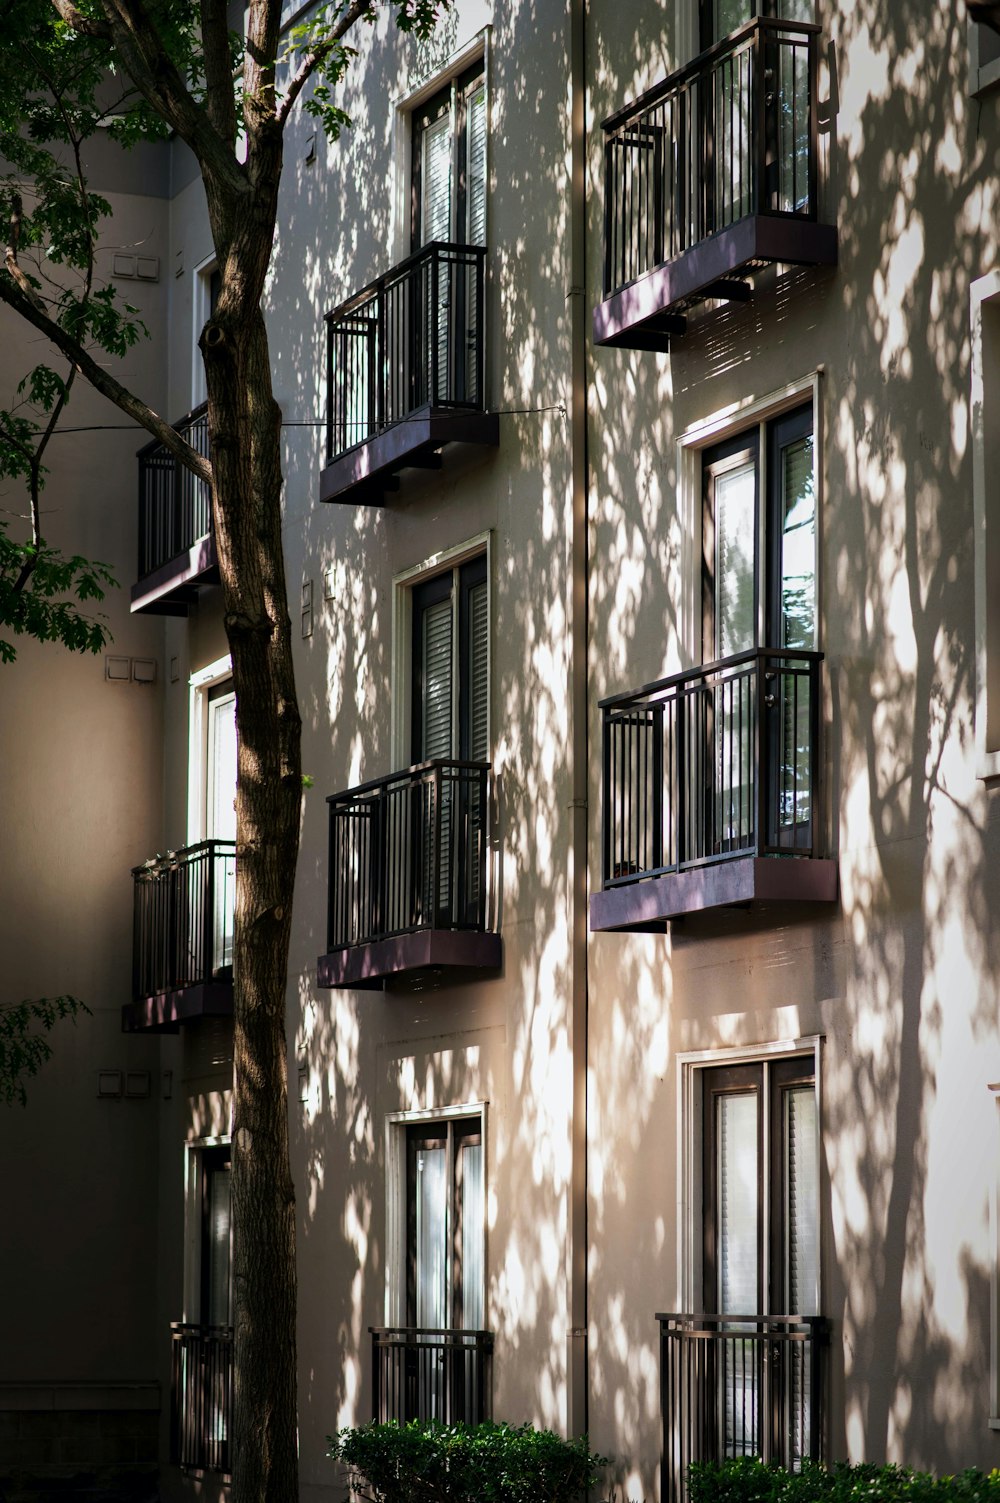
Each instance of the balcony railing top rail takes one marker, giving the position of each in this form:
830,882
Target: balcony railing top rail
703,62
712,764
175,508
183,905
161,865
731,134
409,851
399,272
740,1385
412,338
660,688
412,774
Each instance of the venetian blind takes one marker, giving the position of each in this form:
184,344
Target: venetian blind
431,1190
737,1171
479,696
219,1218
803,1200
436,718
734,561
435,180
473,1261
475,232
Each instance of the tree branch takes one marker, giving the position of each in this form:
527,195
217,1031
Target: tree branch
311,61
104,382
140,49
219,101
86,25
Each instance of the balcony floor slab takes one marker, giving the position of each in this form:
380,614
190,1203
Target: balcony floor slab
647,906
171,589
644,314
165,1012
370,965
360,475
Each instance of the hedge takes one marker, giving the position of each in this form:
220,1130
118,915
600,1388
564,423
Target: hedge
487,1463
747,1480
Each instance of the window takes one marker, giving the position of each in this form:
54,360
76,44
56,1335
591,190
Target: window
202,1363
433,1360
448,162
212,801
215,1235
205,295
450,671
759,560
759,591
444,1224
752,1258
449,721
718,18
760,1203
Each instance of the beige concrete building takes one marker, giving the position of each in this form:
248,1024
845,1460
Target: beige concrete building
642,1013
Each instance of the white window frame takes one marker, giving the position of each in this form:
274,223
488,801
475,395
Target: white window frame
729,422
201,302
193,1191
984,297
396,1124
475,49
403,585
690,1072
199,685
984,75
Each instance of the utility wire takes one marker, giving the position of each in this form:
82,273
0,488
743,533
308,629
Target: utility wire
312,422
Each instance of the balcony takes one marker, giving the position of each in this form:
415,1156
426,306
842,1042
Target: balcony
409,858
405,373
176,546
740,1386
201,1397
431,1375
710,785
709,177
182,939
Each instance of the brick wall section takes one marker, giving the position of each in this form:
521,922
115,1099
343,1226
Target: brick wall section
94,1442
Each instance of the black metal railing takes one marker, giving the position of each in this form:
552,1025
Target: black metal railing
410,339
183,918
734,1385
409,852
175,507
201,1396
732,134
715,763
431,1375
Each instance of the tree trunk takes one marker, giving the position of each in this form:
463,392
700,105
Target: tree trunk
244,425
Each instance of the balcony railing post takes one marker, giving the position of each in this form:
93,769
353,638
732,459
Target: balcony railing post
760,196
812,74
815,781
380,364
480,352
656,774
211,960
763,678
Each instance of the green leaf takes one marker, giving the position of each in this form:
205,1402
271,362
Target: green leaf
24,1047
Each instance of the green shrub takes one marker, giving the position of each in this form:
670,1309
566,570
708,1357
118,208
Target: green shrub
432,1463
749,1481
